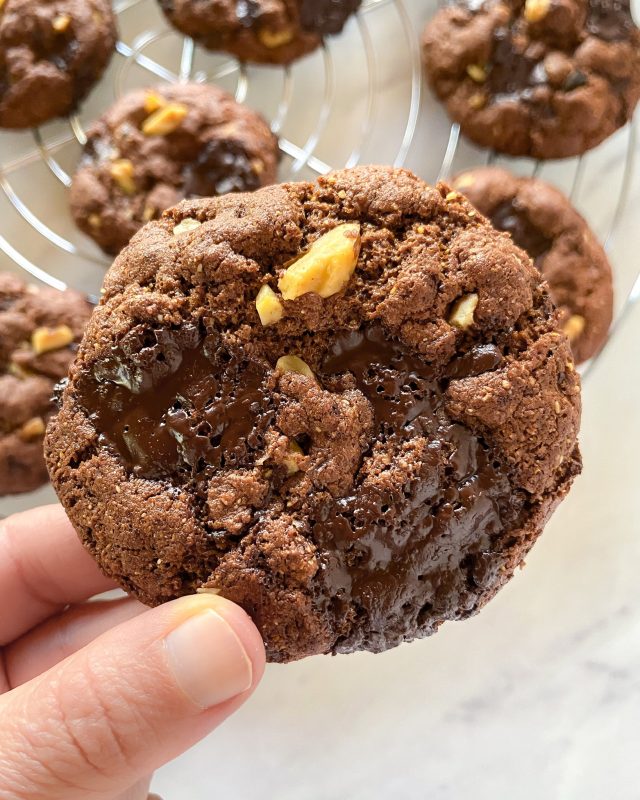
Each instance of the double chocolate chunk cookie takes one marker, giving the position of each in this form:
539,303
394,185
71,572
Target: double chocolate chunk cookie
52,52
39,330
155,147
543,222
264,31
541,78
344,405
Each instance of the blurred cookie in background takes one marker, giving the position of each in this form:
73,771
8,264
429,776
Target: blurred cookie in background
541,78
543,222
39,331
263,31
52,52
155,147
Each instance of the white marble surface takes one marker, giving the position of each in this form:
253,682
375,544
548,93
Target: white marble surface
537,697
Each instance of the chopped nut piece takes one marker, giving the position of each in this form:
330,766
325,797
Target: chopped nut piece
32,429
451,196
294,364
149,213
122,173
165,120
274,39
94,220
61,23
464,181
43,340
477,73
462,311
327,265
268,306
292,461
187,224
257,165
478,100
574,326
535,10
153,101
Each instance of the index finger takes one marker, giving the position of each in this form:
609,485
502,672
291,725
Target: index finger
43,568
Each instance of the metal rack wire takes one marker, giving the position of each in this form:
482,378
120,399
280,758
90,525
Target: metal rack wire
300,157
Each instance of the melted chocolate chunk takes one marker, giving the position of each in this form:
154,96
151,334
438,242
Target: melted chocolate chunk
509,217
223,166
325,17
171,410
396,551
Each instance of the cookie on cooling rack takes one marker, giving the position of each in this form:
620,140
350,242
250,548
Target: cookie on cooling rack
263,31
52,52
543,222
344,405
541,78
154,147
39,331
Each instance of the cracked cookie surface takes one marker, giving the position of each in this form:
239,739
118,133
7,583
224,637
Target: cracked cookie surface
263,31
540,78
52,52
365,449
39,332
543,222
154,147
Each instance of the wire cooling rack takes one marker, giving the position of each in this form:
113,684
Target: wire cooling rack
358,99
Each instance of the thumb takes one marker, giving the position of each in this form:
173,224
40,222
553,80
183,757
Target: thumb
132,700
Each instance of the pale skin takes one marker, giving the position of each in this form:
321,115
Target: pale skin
95,696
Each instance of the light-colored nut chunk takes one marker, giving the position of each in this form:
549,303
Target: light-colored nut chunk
268,306
462,311
32,429
574,326
477,73
43,340
295,364
326,267
61,23
121,171
273,39
165,120
292,460
464,181
153,101
535,10
478,100
187,224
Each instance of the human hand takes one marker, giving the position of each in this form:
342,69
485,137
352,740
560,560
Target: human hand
95,696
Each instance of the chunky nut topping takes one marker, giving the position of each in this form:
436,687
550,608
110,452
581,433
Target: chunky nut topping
477,73
187,224
268,306
121,171
32,429
165,120
153,101
294,364
274,39
574,326
292,460
61,23
327,266
535,10
43,340
462,311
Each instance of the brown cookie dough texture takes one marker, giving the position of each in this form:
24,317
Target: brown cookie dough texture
52,52
543,222
155,147
263,31
39,331
541,78
344,405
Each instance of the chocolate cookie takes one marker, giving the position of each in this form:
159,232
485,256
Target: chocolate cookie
541,78
344,405
39,329
155,147
52,52
543,222
265,31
